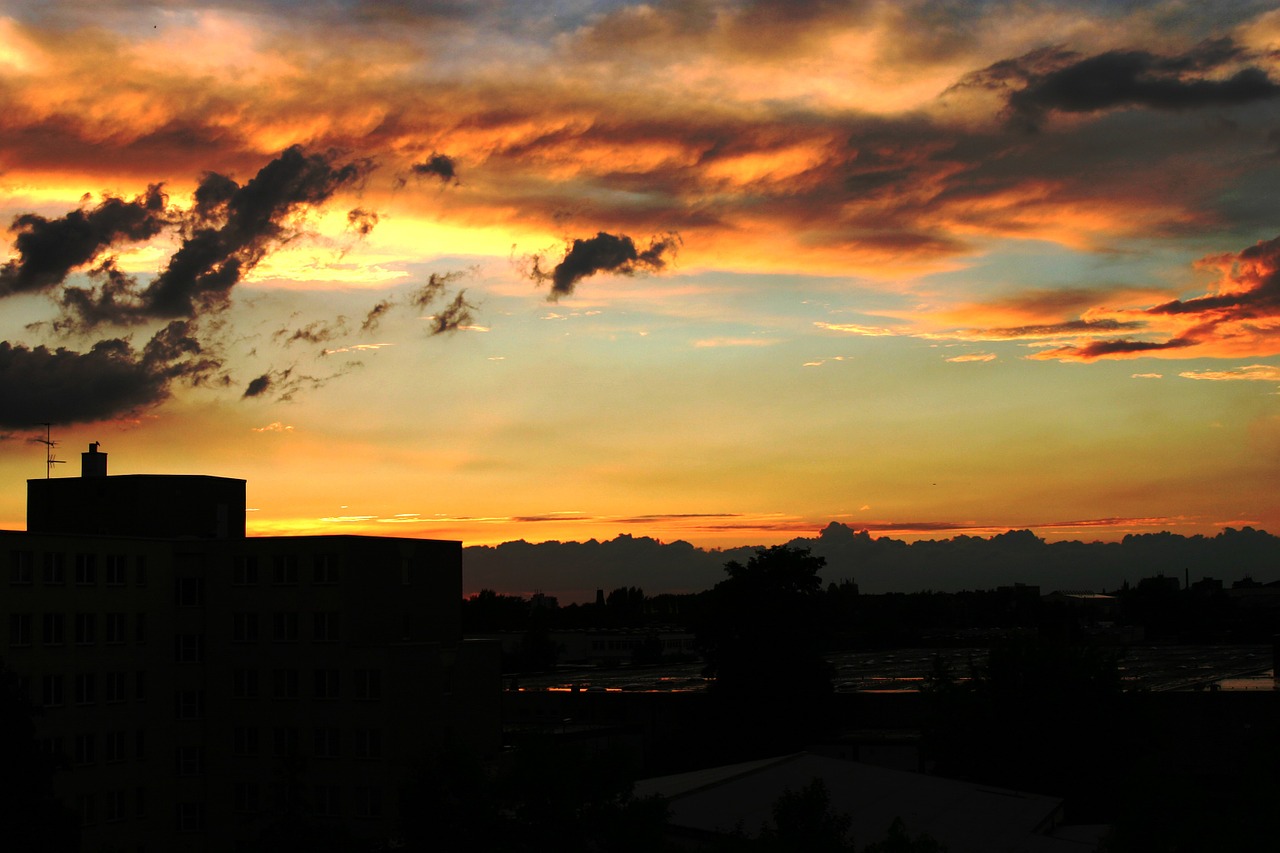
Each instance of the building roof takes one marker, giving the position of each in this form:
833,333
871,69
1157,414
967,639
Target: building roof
964,816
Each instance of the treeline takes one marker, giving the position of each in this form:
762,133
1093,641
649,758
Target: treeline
572,571
1160,606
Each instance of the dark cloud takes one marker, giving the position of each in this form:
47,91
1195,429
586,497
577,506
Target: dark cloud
258,386
1122,347
49,249
1068,327
266,382
113,300
361,221
440,166
63,386
286,383
315,332
453,316
375,315
610,253
1046,80
227,231
422,296
250,220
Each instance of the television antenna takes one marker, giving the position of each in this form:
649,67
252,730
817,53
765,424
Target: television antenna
49,459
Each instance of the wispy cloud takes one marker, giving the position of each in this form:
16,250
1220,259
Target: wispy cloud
1250,373
856,329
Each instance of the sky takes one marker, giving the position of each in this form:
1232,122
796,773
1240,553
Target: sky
715,271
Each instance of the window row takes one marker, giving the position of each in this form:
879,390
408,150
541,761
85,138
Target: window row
286,742
318,800
115,805
284,627
285,570
321,800
325,684
84,628
53,568
116,747
84,688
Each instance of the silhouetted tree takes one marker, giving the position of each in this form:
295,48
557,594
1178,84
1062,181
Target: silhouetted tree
899,840
762,630
762,633
805,820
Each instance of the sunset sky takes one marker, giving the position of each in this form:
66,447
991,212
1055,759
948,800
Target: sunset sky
715,271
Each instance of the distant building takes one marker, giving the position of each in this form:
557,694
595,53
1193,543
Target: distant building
202,684
1097,606
709,806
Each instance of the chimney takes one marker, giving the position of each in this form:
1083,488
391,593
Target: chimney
93,463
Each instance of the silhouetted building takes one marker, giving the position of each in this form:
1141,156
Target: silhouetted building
205,687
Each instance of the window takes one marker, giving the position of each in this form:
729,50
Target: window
139,802
86,688
245,572
325,569
86,628
368,801
51,629
115,628
368,743
55,568
115,569
84,804
191,817
86,569
114,806
139,628
286,741
248,797
368,684
140,744
140,685
190,761
51,746
244,627
245,683
245,740
326,627
190,592
115,687
326,684
284,627
84,749
51,691
326,743
189,704
115,746
284,683
284,569
188,648
19,629
140,570
20,567
325,800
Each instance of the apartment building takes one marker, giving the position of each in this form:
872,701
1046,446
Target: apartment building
206,688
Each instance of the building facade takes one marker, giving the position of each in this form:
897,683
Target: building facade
206,689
